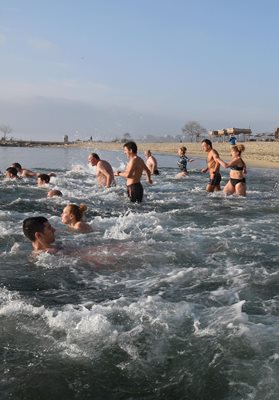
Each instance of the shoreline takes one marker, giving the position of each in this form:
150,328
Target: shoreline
256,154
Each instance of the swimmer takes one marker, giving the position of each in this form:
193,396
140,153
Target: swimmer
213,167
54,192
237,182
27,173
151,162
133,172
72,215
182,162
11,173
41,234
104,171
43,179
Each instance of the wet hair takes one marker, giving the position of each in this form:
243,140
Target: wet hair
54,192
183,149
131,146
16,165
239,147
32,225
77,211
95,155
208,142
12,170
44,177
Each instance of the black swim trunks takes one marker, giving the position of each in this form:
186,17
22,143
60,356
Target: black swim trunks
236,181
156,172
216,180
135,192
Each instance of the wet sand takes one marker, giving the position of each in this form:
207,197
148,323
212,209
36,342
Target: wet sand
256,154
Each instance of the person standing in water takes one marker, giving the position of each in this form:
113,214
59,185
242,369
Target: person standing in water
104,171
133,172
182,162
151,163
213,167
237,182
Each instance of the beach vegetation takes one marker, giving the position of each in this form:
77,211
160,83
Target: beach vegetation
194,131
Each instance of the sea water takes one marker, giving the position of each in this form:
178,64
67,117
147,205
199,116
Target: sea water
174,298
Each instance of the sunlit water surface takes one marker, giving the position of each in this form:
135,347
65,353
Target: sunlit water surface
175,298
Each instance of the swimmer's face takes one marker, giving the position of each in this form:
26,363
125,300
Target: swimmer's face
92,160
48,233
10,175
181,152
40,182
147,154
66,216
205,147
127,152
235,153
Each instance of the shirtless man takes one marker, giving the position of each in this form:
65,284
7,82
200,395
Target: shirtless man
213,167
151,162
104,171
41,234
133,172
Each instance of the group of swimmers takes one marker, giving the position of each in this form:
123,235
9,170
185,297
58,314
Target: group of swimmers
42,234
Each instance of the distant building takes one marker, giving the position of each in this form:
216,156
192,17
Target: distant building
66,139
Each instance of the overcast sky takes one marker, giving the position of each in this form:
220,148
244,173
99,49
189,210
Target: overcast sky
107,67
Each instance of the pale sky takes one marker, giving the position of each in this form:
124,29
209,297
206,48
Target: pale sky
104,68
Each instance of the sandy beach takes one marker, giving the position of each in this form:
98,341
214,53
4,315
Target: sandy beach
256,154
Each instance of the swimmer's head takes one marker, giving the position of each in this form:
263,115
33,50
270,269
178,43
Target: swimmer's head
93,159
206,145
182,151
43,179
73,213
38,229
130,147
17,166
147,153
54,192
238,149
11,173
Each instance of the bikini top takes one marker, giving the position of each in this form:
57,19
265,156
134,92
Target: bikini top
237,168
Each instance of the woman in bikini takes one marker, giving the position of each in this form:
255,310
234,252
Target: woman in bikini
72,215
237,182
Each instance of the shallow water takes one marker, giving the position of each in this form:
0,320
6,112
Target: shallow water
184,306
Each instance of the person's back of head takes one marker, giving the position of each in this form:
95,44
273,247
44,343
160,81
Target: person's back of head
208,142
32,225
17,166
131,146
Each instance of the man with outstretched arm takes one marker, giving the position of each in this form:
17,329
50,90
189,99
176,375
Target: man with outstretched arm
133,172
213,167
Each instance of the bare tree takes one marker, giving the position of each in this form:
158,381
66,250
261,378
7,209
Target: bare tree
194,130
6,130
